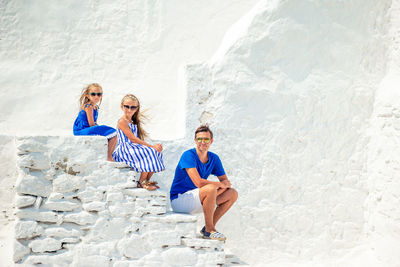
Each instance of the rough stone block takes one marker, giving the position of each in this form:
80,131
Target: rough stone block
34,184
43,245
91,261
24,201
67,183
61,205
200,243
139,211
59,258
207,258
172,217
115,197
122,209
94,206
90,194
27,229
34,160
158,239
186,229
133,247
107,229
179,256
140,192
62,232
20,251
41,216
81,218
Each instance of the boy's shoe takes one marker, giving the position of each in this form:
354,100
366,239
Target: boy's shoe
215,236
203,230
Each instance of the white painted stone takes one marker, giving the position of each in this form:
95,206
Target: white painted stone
200,243
70,240
206,258
81,218
91,261
157,239
38,202
186,229
45,245
59,258
67,183
133,247
115,197
33,184
34,160
94,206
106,248
172,217
24,201
180,256
41,216
90,194
122,209
27,229
140,192
61,205
62,232
20,251
107,229
126,263
54,196
140,211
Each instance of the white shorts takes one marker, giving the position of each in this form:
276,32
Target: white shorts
188,202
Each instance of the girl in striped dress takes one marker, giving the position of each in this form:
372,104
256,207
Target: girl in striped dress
132,149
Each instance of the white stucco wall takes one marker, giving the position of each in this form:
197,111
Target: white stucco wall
301,95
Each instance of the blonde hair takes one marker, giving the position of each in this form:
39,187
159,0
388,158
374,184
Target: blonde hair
83,100
137,117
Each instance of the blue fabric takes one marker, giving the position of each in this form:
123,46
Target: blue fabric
82,127
190,159
141,158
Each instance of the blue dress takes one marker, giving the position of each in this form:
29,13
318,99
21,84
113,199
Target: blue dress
141,158
82,127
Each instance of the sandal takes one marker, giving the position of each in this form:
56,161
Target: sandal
146,186
155,183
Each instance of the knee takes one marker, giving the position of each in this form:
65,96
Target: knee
209,189
234,194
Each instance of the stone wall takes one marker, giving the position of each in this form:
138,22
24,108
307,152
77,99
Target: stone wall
74,208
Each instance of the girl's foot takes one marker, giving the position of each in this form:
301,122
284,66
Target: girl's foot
146,186
153,183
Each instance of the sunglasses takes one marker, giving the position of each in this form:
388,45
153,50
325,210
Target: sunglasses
206,140
130,107
96,94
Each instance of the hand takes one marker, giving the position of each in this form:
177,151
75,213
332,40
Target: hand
222,185
158,147
227,183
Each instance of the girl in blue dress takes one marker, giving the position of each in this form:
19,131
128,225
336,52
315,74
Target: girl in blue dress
132,149
86,122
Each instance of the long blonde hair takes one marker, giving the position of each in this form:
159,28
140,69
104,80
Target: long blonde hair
137,117
83,100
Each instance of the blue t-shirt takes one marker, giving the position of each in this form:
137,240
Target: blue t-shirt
190,159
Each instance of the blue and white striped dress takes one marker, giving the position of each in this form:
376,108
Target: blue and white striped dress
141,158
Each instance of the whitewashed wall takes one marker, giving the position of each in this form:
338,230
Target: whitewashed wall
302,98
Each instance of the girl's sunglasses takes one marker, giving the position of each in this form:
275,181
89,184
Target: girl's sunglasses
206,140
130,107
96,94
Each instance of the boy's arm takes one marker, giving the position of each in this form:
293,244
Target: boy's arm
200,182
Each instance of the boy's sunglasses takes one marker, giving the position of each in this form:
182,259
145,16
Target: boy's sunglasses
130,107
96,94
206,140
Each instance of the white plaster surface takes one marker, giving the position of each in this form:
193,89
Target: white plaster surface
302,97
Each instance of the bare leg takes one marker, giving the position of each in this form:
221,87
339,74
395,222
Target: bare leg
211,195
112,142
225,201
144,176
208,196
